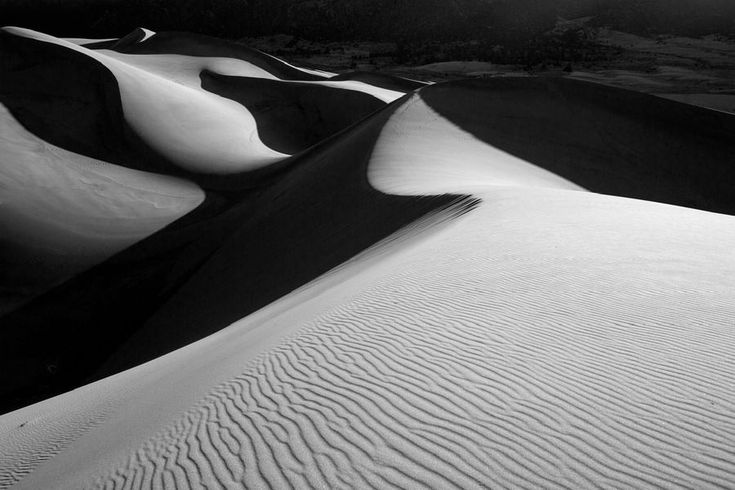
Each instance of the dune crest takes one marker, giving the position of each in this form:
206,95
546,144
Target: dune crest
197,130
374,282
420,152
63,212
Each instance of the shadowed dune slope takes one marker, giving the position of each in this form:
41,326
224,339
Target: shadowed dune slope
605,139
293,116
61,212
207,270
78,108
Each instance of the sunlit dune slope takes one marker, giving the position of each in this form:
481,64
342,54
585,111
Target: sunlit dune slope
139,102
191,128
529,343
466,286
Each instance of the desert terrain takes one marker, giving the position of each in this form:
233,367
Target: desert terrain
224,269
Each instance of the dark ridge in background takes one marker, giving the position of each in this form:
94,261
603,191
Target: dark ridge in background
410,21
381,80
606,139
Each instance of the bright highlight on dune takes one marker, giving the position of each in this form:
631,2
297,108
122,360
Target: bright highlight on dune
226,271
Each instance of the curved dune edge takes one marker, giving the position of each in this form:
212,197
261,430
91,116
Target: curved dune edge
425,366
547,339
186,70
195,129
206,271
63,212
605,139
419,153
178,44
292,116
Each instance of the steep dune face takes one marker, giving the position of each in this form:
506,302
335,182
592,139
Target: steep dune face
604,139
302,191
62,212
421,152
423,295
139,102
195,130
293,116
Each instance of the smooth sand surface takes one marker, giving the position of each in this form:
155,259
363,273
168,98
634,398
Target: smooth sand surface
197,130
61,212
420,152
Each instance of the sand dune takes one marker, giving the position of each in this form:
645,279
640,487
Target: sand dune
429,293
604,139
62,212
420,152
196,130
463,358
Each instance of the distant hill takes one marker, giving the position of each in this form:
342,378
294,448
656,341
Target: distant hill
403,21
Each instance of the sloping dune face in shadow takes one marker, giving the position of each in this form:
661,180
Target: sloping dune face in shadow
604,139
62,212
431,293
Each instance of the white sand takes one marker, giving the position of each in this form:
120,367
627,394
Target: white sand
420,152
69,211
196,129
83,40
147,34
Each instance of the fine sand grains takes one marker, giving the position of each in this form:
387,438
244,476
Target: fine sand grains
528,348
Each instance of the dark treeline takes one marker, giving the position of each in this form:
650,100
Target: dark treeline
502,31
384,20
